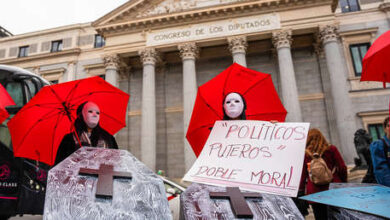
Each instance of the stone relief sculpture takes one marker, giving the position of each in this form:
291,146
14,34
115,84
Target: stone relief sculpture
171,6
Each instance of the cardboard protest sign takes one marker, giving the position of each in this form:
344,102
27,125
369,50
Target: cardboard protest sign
370,199
253,155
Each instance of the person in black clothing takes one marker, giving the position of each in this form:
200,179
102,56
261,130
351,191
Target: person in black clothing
88,130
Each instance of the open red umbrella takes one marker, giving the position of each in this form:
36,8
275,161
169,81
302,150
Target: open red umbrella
38,128
257,89
5,100
376,65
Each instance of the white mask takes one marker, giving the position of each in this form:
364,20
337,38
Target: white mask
91,114
233,105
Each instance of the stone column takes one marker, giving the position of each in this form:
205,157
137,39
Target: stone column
282,42
70,72
148,119
339,89
237,46
188,53
112,64
325,79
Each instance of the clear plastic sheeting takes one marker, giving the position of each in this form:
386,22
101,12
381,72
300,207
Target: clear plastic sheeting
196,204
72,196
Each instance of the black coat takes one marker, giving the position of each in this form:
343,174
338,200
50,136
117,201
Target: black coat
68,146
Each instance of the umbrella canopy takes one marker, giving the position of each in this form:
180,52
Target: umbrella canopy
5,100
376,65
38,128
262,101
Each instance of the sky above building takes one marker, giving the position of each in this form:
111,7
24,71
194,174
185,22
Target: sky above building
23,16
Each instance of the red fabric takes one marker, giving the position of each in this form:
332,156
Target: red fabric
5,100
333,159
376,65
171,197
38,128
262,101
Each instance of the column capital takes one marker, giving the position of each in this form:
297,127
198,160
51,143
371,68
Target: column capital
237,44
148,56
319,49
188,51
282,39
111,61
328,33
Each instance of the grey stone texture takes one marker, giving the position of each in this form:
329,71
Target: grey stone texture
33,48
79,67
161,140
45,46
67,42
382,26
54,66
2,53
13,52
85,40
333,137
369,103
307,73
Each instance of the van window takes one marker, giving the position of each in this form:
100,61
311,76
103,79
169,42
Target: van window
15,90
31,88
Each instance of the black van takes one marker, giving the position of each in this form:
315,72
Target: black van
21,192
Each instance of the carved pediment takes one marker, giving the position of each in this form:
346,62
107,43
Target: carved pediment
150,8
144,14
172,6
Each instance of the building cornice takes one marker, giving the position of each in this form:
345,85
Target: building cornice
237,9
359,32
60,70
63,53
46,32
373,113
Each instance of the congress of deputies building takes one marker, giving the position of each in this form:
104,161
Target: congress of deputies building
160,51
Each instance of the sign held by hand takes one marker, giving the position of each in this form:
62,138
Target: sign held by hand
253,155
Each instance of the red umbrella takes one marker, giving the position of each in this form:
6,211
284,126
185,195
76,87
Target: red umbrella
261,98
376,66
38,128
5,100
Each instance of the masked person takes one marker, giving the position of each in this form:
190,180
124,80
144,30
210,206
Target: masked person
88,132
234,107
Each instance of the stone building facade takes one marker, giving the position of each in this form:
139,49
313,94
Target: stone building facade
160,51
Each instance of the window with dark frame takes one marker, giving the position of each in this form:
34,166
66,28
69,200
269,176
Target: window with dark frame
56,46
99,41
358,51
23,51
376,131
349,5
103,76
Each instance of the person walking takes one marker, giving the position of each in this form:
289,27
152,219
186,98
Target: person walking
323,164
